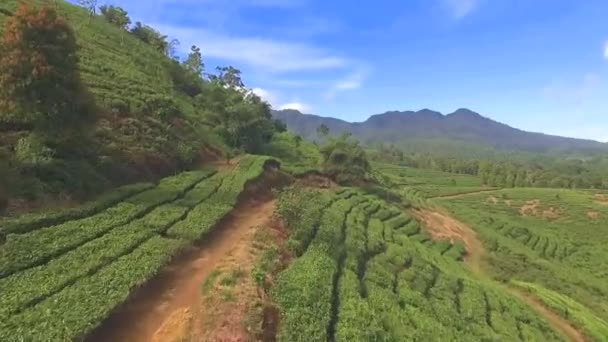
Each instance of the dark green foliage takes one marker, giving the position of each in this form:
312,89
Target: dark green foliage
301,209
151,36
303,292
297,157
344,159
164,108
29,222
237,115
116,16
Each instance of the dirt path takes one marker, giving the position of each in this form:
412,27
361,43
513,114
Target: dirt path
444,227
168,308
464,194
556,321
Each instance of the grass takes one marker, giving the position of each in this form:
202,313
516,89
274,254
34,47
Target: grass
232,278
210,281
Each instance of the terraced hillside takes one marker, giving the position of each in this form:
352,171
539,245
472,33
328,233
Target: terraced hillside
551,242
60,277
545,245
368,272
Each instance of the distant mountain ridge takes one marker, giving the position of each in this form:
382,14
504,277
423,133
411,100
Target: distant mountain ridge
462,125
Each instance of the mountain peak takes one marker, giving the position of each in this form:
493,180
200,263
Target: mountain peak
462,125
465,112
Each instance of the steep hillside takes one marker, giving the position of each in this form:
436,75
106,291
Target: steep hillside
153,115
463,125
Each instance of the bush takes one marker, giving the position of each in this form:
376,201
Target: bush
162,107
119,107
344,159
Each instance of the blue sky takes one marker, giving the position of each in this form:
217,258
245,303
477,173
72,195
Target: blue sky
539,65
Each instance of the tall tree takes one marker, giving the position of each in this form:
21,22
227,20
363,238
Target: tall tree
194,63
116,15
89,5
150,36
172,47
322,131
229,76
39,79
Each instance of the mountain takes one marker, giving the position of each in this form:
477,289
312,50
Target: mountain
463,125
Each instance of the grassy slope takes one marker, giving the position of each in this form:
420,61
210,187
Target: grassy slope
120,68
552,239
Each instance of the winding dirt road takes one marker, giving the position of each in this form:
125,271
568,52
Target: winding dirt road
168,308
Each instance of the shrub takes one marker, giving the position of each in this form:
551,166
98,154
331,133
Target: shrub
162,107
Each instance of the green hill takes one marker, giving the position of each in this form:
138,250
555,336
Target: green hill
147,124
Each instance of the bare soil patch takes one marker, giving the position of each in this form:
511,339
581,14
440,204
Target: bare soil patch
444,227
316,181
530,208
551,213
168,308
594,215
492,200
601,199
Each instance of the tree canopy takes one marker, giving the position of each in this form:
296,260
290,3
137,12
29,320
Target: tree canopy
116,15
39,79
344,159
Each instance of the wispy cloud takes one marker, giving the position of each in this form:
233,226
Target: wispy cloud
301,107
268,54
266,95
606,50
460,8
274,99
352,81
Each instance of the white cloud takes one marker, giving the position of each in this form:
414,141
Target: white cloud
267,54
302,108
266,95
460,8
352,81
606,50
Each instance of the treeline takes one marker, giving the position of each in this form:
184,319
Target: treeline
554,172
64,136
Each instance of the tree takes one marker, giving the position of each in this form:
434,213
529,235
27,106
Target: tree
194,63
344,159
228,76
240,117
150,36
172,49
39,79
116,15
322,131
89,5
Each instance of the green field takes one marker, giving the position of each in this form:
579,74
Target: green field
552,238
59,279
368,272
550,242
429,183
